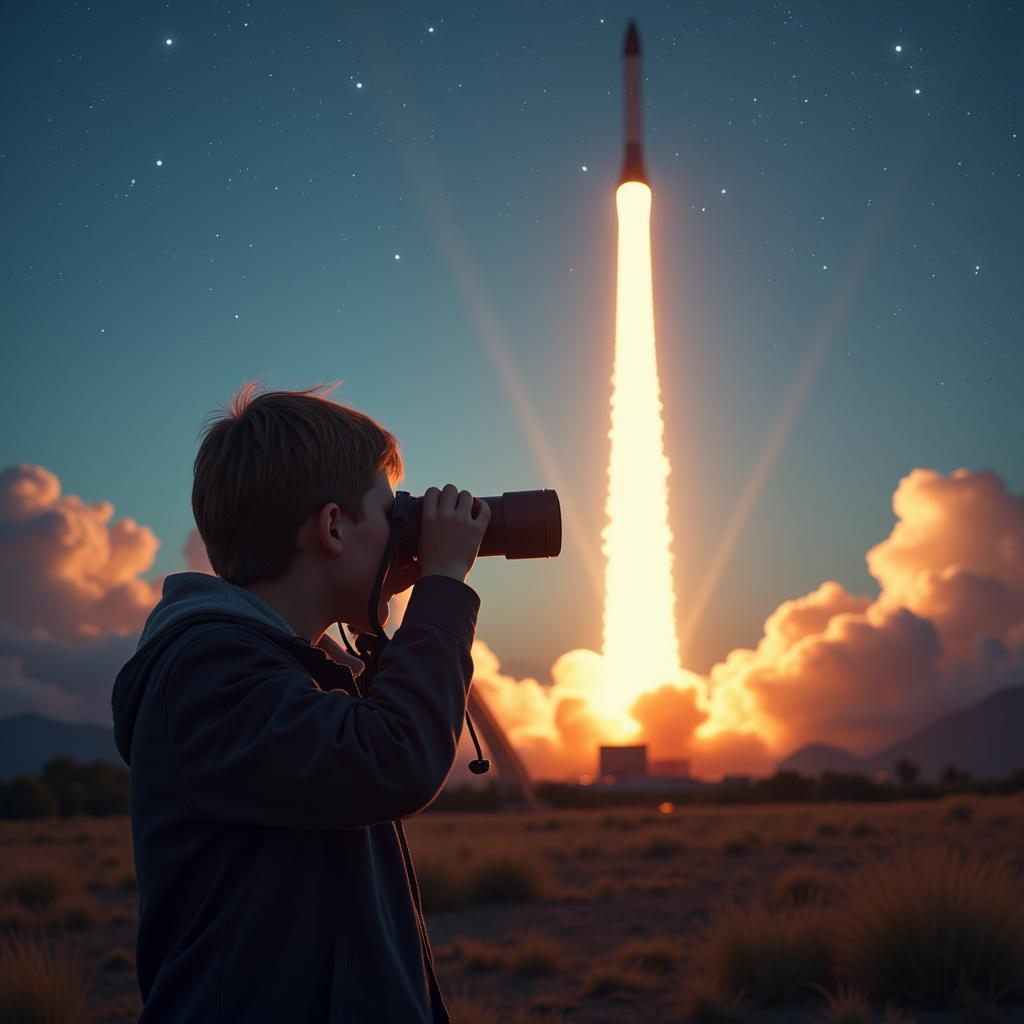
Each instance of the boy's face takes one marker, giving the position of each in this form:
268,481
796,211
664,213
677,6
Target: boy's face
363,548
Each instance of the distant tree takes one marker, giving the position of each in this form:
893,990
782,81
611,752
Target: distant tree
953,774
847,786
783,786
61,775
98,788
26,797
906,771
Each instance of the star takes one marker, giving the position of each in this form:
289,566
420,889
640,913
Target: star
159,163
898,47
583,167
397,257
169,42
359,85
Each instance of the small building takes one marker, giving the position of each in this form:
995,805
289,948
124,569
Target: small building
622,762
673,768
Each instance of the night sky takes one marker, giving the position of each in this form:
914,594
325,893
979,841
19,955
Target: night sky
418,200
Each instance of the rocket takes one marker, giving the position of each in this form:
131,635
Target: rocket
632,75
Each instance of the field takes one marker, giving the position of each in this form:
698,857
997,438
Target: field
841,913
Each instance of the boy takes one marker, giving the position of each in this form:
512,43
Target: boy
267,786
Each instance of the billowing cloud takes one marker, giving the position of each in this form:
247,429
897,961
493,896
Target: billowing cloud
68,571
946,629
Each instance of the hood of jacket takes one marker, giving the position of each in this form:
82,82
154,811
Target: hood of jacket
188,598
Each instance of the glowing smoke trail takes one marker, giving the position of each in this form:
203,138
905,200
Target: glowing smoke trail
640,645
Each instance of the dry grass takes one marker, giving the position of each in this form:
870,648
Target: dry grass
117,958
706,1001
934,923
39,985
477,955
38,886
509,878
441,884
652,956
800,885
847,1006
770,956
608,979
536,953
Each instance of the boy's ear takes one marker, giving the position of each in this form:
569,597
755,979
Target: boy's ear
328,528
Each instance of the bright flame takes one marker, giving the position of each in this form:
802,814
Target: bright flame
641,649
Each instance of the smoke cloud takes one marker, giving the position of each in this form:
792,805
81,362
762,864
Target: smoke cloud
946,630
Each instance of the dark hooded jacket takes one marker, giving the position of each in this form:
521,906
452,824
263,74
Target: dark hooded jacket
267,791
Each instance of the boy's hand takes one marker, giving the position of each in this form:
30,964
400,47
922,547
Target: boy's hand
450,535
401,576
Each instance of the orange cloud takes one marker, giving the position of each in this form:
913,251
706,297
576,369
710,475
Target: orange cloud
946,629
68,571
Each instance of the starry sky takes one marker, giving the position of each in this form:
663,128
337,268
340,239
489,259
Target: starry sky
418,200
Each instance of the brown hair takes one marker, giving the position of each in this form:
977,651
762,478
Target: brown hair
270,462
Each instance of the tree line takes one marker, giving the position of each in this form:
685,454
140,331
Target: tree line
66,787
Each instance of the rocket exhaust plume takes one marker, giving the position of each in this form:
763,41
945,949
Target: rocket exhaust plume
639,630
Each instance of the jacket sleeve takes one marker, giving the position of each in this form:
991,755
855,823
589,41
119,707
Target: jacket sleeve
256,741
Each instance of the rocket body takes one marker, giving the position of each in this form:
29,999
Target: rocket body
632,77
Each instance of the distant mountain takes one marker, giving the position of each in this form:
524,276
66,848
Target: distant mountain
983,739
28,741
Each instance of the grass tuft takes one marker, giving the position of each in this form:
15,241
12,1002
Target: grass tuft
652,956
508,879
37,886
706,1001
477,955
441,886
772,957
936,924
609,979
800,885
849,1005
38,984
537,953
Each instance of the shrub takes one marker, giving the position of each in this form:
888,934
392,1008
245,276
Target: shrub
118,957
441,886
653,956
14,915
26,797
772,957
80,913
660,846
37,887
735,847
932,923
535,952
604,979
960,813
507,879
477,955
37,984
800,846
800,885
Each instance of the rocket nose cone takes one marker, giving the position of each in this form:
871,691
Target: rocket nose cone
632,45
